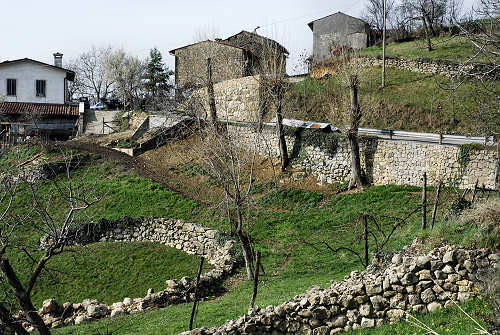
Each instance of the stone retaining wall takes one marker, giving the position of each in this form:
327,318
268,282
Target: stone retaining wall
383,161
427,66
220,251
367,299
235,99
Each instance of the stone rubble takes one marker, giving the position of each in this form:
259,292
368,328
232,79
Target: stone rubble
369,298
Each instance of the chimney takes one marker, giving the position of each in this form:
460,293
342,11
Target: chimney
58,59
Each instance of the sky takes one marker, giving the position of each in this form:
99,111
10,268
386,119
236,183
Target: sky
38,28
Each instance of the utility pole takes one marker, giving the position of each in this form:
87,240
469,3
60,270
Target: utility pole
383,42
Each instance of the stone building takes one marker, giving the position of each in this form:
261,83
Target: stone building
238,56
339,29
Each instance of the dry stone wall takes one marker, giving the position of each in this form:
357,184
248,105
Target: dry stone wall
220,250
383,161
235,99
367,299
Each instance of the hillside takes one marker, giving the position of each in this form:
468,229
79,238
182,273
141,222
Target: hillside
412,101
450,48
282,219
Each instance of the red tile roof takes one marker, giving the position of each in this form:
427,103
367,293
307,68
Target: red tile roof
42,109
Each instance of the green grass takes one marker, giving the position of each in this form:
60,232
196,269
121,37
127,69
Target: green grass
100,271
409,102
280,227
455,49
110,272
175,319
287,217
445,321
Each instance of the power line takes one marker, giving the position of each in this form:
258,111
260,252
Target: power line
310,14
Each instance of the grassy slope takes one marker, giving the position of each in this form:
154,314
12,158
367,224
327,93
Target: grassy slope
448,48
111,272
285,218
409,102
291,267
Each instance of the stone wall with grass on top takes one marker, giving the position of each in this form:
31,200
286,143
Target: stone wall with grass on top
219,249
327,156
411,283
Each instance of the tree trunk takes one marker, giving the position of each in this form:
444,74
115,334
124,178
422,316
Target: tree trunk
211,93
255,280
23,298
427,34
245,245
436,201
10,323
281,132
352,134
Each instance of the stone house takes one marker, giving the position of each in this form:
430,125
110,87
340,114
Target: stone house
34,98
238,56
339,29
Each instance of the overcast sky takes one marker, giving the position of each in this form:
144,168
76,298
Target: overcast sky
38,28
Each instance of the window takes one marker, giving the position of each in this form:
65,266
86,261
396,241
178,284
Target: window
11,87
40,88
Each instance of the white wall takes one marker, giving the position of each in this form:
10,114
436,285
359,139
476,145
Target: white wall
26,74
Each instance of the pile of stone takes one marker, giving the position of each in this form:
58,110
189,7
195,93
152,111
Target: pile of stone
367,299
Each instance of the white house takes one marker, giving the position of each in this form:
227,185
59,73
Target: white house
31,90
28,80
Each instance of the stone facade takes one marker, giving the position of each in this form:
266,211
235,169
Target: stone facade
363,300
236,99
220,251
228,62
383,161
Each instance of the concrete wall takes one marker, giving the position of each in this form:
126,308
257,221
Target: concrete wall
383,161
339,29
191,63
26,74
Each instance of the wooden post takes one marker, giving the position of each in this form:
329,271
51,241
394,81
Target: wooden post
211,93
255,279
103,125
383,43
193,310
475,191
436,199
365,236
424,202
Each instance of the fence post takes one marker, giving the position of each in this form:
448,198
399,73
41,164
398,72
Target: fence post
365,236
103,125
424,202
193,310
436,200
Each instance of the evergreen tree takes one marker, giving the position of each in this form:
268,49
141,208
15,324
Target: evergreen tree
157,75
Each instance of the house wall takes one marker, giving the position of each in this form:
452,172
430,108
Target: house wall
26,74
191,63
339,29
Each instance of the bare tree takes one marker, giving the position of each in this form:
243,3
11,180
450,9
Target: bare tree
374,13
38,216
231,166
349,73
127,72
91,78
273,84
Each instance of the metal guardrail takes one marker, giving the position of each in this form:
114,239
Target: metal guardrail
427,137
389,134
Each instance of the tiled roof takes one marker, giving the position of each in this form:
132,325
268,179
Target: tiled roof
218,41
41,109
